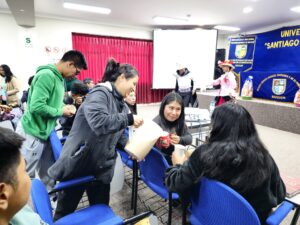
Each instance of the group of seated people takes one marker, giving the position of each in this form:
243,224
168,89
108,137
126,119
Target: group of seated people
233,153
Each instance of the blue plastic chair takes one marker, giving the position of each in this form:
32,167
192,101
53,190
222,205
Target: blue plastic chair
153,173
55,144
56,149
96,214
214,203
132,164
99,214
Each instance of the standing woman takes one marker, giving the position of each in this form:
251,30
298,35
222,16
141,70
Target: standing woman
90,146
10,93
227,82
185,85
9,86
171,119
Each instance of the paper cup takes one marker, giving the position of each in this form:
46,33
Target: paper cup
179,150
72,108
165,139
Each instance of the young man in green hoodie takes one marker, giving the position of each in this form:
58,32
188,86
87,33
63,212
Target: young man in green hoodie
44,106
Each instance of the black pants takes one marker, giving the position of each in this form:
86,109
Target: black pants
186,97
67,202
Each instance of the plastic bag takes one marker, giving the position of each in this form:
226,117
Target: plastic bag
247,90
297,98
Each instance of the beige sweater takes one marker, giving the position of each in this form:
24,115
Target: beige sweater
12,88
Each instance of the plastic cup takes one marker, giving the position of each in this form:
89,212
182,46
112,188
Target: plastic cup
179,150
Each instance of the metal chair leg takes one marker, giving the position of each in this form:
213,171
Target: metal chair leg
135,184
170,209
296,216
184,209
132,187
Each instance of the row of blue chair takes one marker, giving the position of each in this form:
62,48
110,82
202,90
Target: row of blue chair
93,215
212,202
210,199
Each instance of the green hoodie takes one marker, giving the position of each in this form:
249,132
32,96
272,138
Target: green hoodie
45,102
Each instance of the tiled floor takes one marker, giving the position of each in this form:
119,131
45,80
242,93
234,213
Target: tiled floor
147,200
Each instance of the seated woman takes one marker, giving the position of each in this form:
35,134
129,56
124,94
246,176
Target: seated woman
234,155
171,119
130,101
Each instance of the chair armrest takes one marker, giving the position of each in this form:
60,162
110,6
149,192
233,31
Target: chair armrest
280,213
71,183
137,218
114,221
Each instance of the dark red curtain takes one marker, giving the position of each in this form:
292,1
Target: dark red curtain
139,53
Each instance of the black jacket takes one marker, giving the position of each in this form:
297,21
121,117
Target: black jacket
272,192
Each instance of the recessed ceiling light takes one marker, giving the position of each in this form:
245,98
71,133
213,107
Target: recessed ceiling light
247,10
86,8
228,28
169,20
295,9
21,10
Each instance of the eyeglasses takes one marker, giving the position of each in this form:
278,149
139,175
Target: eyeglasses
77,71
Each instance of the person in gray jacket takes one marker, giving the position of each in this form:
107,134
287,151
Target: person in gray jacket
90,146
171,119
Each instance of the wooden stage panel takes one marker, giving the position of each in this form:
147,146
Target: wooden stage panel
278,115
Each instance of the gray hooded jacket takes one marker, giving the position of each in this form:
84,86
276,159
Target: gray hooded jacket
90,146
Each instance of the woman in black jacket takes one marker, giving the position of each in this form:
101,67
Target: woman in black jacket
234,155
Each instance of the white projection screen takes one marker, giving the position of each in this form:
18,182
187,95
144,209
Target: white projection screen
194,49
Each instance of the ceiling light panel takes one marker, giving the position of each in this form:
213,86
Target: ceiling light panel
295,9
247,10
86,8
169,21
227,28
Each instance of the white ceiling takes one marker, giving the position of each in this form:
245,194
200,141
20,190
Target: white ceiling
139,13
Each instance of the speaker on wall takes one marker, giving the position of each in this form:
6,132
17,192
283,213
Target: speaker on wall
220,56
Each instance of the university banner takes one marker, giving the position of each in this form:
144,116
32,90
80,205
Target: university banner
241,52
278,50
278,86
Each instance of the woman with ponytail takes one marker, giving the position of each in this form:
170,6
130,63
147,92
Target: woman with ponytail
97,128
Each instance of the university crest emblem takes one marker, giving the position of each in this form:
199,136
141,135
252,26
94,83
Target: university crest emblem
278,86
240,51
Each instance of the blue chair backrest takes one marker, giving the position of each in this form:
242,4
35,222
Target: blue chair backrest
214,203
153,168
40,200
55,144
125,158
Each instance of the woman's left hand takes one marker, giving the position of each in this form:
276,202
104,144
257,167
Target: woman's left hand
174,139
178,159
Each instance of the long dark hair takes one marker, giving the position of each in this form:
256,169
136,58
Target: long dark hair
114,69
180,122
235,154
7,72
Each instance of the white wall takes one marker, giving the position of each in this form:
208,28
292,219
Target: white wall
23,58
